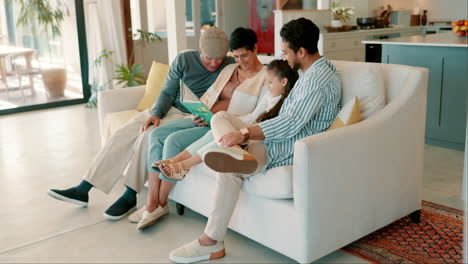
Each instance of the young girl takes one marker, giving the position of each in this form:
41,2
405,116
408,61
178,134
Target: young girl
281,79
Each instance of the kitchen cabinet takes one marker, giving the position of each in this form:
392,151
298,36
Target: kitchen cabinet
411,32
347,55
348,45
445,57
342,43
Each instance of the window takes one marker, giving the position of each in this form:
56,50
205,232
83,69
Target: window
155,15
36,66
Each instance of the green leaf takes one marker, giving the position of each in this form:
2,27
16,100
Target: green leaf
129,76
93,99
105,54
147,37
48,17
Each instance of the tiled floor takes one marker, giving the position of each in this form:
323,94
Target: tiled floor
52,148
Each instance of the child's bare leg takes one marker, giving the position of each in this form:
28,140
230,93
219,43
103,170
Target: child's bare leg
180,157
154,183
190,162
186,164
164,191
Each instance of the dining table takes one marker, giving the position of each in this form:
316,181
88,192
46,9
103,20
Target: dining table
13,51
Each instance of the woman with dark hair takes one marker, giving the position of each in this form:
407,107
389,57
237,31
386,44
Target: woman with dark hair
280,79
236,90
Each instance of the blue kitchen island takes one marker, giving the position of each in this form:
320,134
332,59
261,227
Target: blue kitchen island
446,57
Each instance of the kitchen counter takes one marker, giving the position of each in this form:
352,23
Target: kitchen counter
435,40
376,31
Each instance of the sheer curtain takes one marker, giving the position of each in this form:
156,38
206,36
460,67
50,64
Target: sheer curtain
104,31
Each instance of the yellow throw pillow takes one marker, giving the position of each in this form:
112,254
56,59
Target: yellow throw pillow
154,85
349,114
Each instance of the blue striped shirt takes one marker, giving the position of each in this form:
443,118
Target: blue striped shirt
310,108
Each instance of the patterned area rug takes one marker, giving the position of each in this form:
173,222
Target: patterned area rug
437,239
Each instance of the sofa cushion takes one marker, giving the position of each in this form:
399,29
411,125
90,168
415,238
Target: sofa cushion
348,115
115,121
370,105
366,81
154,85
276,183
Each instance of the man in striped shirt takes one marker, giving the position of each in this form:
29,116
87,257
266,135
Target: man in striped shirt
309,109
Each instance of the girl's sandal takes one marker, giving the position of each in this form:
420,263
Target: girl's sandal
177,172
156,164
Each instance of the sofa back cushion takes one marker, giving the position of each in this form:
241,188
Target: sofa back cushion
364,80
348,115
154,84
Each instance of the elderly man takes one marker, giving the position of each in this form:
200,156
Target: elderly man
128,146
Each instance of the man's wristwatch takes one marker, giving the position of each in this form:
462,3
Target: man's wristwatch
246,133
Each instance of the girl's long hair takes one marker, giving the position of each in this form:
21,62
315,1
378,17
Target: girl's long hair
282,70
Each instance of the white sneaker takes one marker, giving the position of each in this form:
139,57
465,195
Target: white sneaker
230,159
150,218
137,215
194,252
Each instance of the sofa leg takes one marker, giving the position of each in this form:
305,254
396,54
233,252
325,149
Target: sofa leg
416,216
180,208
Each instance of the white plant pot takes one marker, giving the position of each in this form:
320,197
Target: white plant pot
335,23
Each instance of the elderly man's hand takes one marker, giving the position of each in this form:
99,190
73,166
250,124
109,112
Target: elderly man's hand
199,121
231,139
153,120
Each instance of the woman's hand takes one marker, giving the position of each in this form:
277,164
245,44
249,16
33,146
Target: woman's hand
231,139
199,121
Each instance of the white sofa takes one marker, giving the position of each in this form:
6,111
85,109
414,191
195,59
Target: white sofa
344,183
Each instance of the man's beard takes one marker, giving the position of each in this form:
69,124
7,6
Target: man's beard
296,66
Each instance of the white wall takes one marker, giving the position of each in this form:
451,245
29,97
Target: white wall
156,15
233,14
156,51
437,9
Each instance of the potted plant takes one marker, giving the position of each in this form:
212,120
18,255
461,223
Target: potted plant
127,75
340,14
48,19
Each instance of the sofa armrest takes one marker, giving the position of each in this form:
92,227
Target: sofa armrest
117,100
351,181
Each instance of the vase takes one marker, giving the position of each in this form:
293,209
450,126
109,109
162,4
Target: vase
335,23
55,81
424,18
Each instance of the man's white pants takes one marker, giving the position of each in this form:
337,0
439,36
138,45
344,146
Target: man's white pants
126,147
228,185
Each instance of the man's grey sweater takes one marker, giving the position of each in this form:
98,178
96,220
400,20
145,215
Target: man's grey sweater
188,67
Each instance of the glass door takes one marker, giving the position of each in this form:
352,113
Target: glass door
43,57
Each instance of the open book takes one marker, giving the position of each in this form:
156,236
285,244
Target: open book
193,103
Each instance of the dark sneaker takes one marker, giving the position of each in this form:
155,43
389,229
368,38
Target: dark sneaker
119,209
70,195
